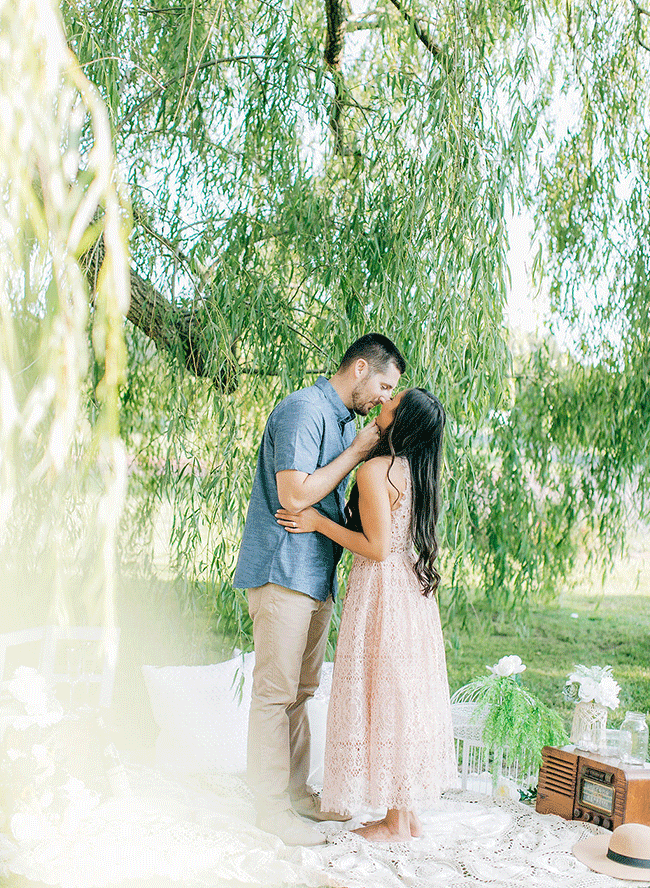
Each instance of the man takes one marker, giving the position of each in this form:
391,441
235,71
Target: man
308,450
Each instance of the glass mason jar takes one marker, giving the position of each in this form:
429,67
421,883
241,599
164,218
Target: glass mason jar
633,739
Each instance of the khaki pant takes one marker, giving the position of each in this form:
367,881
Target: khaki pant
290,634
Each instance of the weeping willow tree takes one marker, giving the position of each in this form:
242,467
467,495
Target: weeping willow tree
302,173
62,462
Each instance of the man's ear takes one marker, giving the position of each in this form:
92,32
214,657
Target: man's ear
360,368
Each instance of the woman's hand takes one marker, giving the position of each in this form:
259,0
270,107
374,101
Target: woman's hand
298,522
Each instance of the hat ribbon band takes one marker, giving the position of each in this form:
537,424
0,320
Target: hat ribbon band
639,862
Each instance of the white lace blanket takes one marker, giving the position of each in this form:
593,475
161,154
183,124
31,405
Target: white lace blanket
201,834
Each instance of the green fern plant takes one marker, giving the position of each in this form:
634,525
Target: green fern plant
515,722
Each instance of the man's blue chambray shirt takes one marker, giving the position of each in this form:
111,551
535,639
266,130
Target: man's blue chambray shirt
305,431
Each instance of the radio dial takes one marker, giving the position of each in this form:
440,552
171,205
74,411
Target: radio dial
577,813
597,820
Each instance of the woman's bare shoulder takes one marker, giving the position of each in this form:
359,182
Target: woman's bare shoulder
374,470
377,467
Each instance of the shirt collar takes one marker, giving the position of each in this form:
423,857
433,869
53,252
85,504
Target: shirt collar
343,413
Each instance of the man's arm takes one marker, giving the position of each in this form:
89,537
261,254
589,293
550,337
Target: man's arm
373,541
297,490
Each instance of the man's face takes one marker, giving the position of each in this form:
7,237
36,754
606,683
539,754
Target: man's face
373,388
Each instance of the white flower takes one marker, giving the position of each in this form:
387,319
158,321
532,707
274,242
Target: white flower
507,666
31,689
507,789
607,693
41,754
74,787
28,828
36,694
588,690
13,754
592,684
44,760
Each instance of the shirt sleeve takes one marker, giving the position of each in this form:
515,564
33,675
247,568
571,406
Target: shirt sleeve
298,428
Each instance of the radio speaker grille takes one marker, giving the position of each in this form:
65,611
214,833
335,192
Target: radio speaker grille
558,774
557,782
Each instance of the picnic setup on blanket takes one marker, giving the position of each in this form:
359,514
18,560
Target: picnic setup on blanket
81,812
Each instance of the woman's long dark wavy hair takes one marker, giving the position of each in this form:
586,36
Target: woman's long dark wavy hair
416,433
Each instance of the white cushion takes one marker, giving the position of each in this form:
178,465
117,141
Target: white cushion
203,720
317,712
202,713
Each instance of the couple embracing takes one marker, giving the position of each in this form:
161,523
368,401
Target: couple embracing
389,737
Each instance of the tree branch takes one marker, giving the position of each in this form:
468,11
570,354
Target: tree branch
420,31
334,45
362,26
335,34
183,332
638,12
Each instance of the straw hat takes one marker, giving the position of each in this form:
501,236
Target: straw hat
624,855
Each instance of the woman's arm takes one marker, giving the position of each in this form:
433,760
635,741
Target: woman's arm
374,509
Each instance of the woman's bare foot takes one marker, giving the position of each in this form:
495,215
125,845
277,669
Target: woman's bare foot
395,827
415,826
380,831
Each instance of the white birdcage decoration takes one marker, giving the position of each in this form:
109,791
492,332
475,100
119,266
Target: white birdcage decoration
476,760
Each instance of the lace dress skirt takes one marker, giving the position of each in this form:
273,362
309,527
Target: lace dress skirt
389,732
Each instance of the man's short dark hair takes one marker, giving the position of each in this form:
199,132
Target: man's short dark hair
377,350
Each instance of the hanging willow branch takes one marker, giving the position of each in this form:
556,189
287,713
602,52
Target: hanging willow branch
638,12
161,88
186,333
334,46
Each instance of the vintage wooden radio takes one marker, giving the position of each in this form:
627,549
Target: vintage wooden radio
591,787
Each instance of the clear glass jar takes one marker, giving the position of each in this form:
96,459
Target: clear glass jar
633,739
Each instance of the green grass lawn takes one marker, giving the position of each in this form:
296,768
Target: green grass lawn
611,626
595,624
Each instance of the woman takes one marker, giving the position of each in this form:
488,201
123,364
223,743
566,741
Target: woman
389,734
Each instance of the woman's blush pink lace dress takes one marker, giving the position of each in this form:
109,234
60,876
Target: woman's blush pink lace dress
389,732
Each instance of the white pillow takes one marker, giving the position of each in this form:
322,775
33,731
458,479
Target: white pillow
317,712
202,713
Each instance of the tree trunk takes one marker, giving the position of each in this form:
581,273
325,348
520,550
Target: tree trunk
182,333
